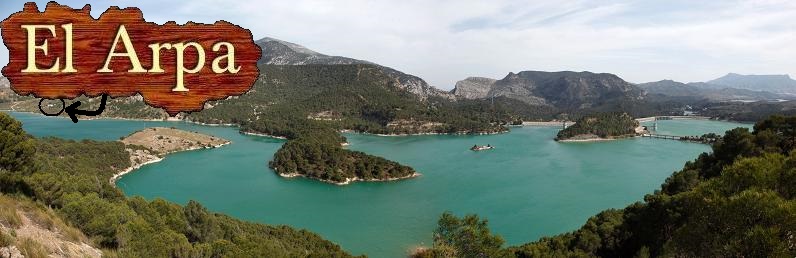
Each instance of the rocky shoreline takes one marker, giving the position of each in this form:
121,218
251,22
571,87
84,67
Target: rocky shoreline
348,180
595,138
152,145
263,135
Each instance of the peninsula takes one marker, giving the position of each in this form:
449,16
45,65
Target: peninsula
150,145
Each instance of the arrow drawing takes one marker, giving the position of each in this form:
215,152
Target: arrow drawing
73,111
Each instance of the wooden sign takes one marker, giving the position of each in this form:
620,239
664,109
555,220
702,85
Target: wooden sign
63,53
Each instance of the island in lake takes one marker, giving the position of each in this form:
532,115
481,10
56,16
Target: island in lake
332,164
150,145
599,127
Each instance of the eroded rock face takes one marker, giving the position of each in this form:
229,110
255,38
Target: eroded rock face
278,52
473,88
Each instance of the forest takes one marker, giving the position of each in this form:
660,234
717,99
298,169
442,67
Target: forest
72,178
603,125
737,201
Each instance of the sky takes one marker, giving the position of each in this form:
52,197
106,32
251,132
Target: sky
447,41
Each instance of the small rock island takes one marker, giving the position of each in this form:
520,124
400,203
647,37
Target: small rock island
600,127
151,145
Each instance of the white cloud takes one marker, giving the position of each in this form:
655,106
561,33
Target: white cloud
445,41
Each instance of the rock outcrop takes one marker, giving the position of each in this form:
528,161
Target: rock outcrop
473,88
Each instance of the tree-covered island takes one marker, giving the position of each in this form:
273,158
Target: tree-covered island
600,126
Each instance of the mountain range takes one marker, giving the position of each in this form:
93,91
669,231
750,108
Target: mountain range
4,83
563,90
772,83
570,90
567,90
709,91
279,52
557,90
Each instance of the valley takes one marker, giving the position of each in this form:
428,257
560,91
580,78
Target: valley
325,117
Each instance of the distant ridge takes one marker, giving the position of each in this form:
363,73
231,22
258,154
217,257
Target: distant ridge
569,90
773,83
708,91
279,52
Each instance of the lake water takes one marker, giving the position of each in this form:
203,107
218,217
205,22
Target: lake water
528,186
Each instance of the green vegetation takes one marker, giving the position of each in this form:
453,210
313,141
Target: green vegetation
355,97
73,177
602,125
747,112
310,104
738,201
465,237
332,163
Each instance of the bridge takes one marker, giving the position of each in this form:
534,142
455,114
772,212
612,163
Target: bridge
650,131
656,118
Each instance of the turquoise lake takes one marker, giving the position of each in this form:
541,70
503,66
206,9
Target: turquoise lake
528,186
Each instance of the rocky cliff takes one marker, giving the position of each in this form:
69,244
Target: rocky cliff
473,88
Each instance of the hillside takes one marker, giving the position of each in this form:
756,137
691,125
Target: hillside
278,52
73,178
125,107
563,90
4,83
709,92
747,112
29,229
353,97
772,83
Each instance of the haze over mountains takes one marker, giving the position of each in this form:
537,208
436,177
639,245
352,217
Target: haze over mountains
773,83
709,91
582,89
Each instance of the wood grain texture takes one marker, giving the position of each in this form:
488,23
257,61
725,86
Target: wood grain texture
92,41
